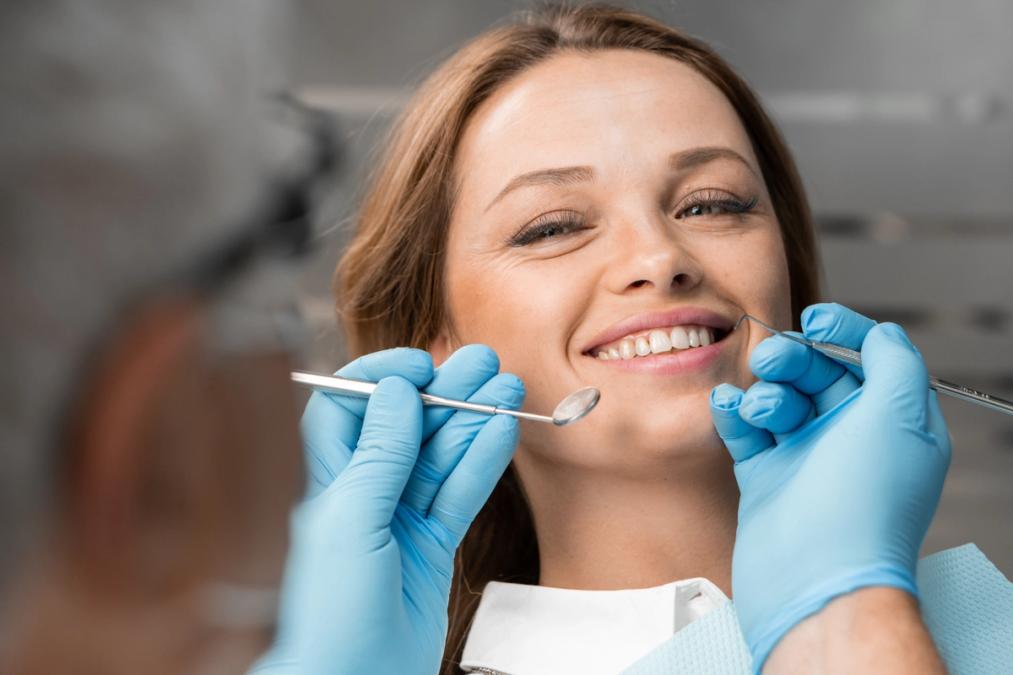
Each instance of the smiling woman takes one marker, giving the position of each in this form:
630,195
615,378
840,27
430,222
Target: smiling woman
597,197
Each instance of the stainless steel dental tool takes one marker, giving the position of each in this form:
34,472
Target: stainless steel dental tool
569,410
854,358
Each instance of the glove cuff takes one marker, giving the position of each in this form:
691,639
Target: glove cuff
763,642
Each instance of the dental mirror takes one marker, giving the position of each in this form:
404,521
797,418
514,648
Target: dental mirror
570,409
575,406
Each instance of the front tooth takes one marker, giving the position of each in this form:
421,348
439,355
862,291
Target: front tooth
680,340
627,350
705,337
660,342
614,354
694,337
643,346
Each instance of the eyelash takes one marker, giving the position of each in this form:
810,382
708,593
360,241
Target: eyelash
569,222
541,227
730,204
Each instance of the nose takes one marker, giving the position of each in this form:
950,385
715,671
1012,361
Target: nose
651,255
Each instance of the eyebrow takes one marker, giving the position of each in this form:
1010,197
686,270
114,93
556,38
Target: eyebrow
564,176
690,159
680,161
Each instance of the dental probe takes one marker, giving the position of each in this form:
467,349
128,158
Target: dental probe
569,410
854,358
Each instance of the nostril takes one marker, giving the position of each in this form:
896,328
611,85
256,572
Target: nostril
680,279
639,283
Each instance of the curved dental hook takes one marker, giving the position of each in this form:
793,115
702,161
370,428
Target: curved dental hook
772,330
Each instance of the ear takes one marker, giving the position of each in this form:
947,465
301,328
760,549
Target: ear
115,478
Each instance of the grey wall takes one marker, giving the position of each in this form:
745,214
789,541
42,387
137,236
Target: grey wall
900,114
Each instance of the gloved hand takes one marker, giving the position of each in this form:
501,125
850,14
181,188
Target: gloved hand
368,577
839,478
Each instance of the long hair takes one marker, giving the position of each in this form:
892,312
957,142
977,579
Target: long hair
390,281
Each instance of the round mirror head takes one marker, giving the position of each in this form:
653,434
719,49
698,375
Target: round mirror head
575,406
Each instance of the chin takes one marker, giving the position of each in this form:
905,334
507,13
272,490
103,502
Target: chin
665,430
678,435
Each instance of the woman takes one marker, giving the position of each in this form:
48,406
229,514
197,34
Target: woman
598,198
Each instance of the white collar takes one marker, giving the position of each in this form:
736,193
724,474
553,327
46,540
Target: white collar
534,630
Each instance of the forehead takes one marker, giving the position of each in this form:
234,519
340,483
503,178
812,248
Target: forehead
601,110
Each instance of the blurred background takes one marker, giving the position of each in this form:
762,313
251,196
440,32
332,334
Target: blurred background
900,115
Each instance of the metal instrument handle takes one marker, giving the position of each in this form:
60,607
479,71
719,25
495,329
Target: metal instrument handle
854,358
334,384
942,386
971,395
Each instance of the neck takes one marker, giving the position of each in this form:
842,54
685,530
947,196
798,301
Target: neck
599,531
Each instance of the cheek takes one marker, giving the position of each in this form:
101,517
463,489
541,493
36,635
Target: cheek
751,272
754,273
526,312
773,285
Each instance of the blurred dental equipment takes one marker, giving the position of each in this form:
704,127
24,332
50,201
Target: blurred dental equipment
570,409
854,358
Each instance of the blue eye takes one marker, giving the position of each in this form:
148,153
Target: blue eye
719,204
547,227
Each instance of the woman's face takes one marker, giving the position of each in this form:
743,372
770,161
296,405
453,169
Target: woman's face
602,198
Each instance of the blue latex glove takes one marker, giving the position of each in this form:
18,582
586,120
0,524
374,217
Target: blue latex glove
839,478
393,488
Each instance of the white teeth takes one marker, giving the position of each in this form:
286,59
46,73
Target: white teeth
659,341
680,340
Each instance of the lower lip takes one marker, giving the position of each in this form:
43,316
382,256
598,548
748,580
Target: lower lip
692,360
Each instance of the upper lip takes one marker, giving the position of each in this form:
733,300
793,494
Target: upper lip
679,316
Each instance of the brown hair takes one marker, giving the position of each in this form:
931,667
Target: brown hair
389,283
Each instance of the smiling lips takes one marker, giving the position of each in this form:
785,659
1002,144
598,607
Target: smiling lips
668,342
656,341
